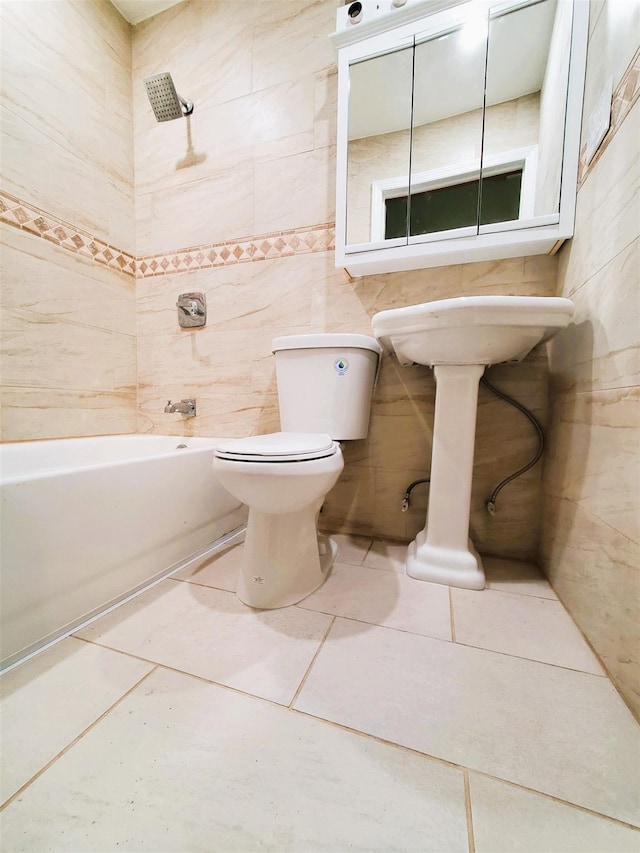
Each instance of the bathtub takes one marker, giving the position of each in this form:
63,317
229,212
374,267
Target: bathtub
86,522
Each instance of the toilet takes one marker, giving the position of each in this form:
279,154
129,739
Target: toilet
325,386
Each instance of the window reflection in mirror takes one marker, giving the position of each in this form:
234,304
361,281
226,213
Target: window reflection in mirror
379,134
447,128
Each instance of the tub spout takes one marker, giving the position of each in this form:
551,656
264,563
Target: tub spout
185,407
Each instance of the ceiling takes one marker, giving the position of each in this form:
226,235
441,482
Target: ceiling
135,11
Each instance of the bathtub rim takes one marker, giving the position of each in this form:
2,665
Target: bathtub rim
41,474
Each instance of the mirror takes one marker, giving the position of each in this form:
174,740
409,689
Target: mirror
527,76
379,129
447,130
460,130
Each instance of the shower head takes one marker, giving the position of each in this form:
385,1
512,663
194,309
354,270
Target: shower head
165,101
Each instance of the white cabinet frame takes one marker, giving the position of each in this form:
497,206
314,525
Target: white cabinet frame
528,235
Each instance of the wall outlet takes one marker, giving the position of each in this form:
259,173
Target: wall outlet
599,121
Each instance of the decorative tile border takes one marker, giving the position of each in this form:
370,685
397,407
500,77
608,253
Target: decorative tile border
281,244
27,217
624,97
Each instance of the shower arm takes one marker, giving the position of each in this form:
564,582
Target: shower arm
187,106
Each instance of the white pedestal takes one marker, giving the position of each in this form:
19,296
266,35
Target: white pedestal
281,560
442,552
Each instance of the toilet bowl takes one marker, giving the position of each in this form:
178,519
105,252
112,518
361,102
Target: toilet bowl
325,385
283,478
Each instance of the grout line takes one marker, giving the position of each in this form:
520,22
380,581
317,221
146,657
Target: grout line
203,585
558,800
385,741
77,738
467,806
489,588
532,660
465,769
187,674
318,650
372,624
453,623
457,642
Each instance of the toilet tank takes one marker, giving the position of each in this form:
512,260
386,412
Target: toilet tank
325,383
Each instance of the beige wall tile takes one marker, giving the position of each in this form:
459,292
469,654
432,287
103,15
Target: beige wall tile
595,456
325,108
69,351
590,490
594,570
288,38
614,35
601,349
36,413
287,197
59,286
348,507
607,208
60,182
204,43
204,211
276,122
67,93
390,487
38,353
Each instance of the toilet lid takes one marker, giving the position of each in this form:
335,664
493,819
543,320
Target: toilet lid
278,447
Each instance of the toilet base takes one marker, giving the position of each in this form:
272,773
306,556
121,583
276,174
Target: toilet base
459,567
281,561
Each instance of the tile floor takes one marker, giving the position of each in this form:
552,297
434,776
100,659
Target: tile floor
380,714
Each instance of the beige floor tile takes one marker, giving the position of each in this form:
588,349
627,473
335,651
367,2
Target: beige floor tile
51,699
384,598
183,765
221,571
521,625
516,576
351,549
506,818
386,555
557,731
209,632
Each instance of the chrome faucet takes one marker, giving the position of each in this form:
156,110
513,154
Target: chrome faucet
185,407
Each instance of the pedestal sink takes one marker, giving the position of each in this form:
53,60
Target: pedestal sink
460,337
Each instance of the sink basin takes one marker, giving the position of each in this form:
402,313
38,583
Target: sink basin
471,329
459,337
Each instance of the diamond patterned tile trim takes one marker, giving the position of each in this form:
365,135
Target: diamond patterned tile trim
20,214
280,244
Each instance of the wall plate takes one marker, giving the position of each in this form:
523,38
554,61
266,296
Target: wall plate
599,121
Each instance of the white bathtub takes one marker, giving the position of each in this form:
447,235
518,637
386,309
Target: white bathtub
86,522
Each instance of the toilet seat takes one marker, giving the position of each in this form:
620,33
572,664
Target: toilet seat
278,447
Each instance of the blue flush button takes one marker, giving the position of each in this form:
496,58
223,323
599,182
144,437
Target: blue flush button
341,366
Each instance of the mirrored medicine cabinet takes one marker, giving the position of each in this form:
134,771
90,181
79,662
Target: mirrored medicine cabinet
458,133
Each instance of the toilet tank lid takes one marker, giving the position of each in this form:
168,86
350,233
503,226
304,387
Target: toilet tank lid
329,340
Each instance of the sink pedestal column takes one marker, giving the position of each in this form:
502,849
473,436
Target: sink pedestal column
442,551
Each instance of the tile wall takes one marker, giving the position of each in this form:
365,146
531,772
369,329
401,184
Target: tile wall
256,159
591,525
68,299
